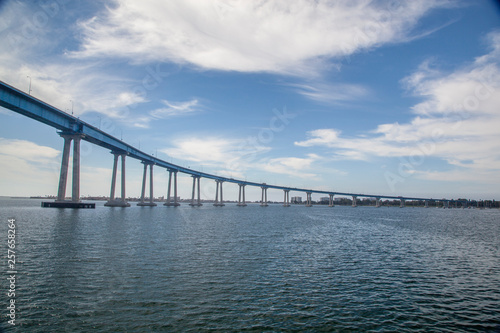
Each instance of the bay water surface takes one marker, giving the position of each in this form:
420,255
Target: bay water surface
252,269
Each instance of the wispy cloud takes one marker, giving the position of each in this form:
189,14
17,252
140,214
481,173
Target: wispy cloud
26,165
27,150
235,157
247,36
457,122
331,93
176,109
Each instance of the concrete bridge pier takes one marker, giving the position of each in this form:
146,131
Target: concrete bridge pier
377,202
169,198
63,177
263,201
151,197
218,183
426,203
402,203
197,203
113,202
330,201
354,201
241,194
308,200
286,199
61,201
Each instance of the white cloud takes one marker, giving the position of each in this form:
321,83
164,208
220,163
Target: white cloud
25,165
27,151
233,157
207,150
457,122
292,166
175,109
274,36
331,93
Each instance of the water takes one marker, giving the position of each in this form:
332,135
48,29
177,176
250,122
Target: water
255,269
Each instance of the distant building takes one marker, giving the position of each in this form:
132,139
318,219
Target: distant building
324,199
296,200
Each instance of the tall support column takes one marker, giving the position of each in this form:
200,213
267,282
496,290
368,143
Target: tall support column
167,203
63,177
169,198
143,193
354,201
286,200
151,196
192,196
123,178
402,203
308,202
263,201
216,203
330,203
175,190
113,178
426,203
199,199
241,195
377,202
75,194
113,202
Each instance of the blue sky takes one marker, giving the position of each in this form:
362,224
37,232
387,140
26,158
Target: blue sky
382,97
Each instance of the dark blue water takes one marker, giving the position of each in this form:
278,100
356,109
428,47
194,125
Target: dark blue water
255,269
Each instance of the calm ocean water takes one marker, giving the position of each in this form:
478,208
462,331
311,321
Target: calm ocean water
254,269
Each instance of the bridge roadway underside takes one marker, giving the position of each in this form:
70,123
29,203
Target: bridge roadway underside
73,129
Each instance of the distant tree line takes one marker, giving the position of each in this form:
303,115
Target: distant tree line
409,203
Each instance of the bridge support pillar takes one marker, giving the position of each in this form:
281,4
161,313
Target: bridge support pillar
63,177
308,200
377,202
169,198
197,203
75,194
426,203
402,203
241,194
113,202
286,199
217,203
354,201
151,197
330,203
263,201
61,193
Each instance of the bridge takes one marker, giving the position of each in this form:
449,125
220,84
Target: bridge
73,130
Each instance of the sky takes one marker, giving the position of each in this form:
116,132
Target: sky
377,97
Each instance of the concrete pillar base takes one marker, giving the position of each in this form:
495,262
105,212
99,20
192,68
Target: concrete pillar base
219,204
67,201
195,204
286,205
331,205
241,205
150,204
171,204
309,205
117,203
264,205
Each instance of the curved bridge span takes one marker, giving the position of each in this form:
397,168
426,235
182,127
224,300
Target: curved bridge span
73,130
